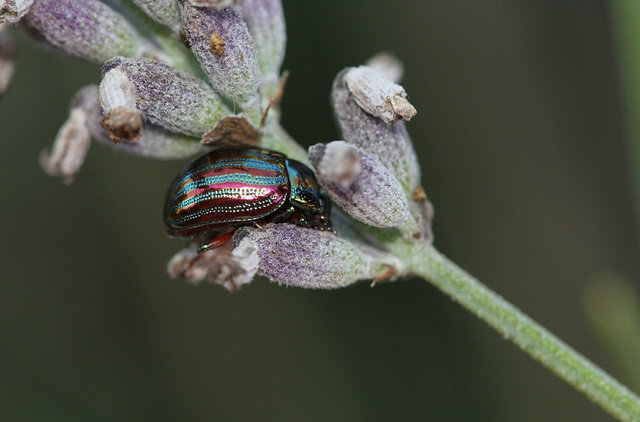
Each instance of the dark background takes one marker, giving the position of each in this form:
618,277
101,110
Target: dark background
522,142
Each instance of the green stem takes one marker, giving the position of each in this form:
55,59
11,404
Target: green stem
531,337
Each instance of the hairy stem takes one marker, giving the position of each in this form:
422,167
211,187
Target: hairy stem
531,337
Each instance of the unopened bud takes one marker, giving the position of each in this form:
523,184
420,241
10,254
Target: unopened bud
165,12
359,184
388,65
232,65
314,259
11,11
265,20
225,266
88,29
166,96
69,149
378,95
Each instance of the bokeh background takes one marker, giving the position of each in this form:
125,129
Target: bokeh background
521,136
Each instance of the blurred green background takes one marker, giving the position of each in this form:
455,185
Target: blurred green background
521,136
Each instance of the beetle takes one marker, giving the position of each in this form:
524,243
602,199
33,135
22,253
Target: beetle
231,187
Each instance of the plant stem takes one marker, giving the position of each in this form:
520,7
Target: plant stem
531,337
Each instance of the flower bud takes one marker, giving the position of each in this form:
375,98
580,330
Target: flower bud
166,96
165,12
88,29
72,142
265,20
11,11
222,44
388,65
8,48
302,257
69,148
377,95
359,184
230,268
156,142
390,144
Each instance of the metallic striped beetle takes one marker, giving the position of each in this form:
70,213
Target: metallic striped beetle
239,186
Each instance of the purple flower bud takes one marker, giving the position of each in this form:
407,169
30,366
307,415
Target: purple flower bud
388,65
222,44
377,95
166,96
87,29
390,144
265,20
301,257
72,142
8,48
69,148
156,142
360,184
165,12
11,11
230,268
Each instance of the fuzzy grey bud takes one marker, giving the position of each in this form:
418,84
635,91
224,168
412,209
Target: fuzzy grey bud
11,11
222,44
265,20
69,148
377,95
388,65
391,144
156,142
301,257
8,47
230,268
87,29
165,12
359,184
166,96
337,163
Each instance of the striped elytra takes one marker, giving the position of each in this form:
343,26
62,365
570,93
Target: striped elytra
232,187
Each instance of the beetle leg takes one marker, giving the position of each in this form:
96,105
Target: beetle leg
216,242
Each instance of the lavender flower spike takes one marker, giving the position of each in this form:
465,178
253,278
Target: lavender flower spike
359,184
313,259
87,29
11,11
222,44
166,96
